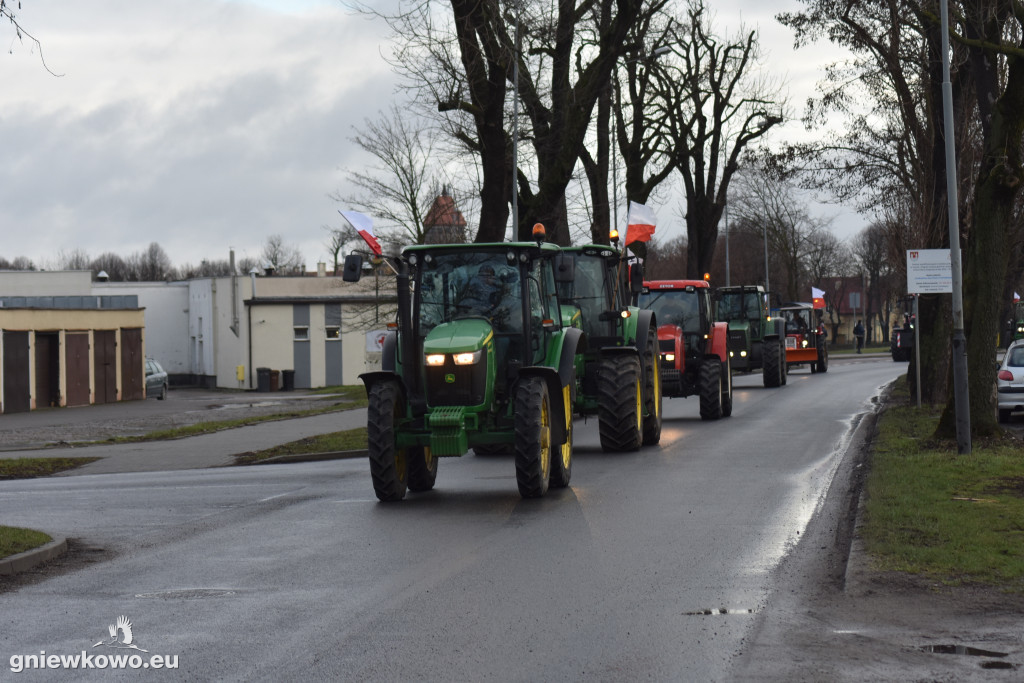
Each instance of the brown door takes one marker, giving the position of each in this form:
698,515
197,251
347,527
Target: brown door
132,364
16,394
47,369
76,361
105,359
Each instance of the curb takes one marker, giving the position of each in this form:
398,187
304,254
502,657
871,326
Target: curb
311,457
30,558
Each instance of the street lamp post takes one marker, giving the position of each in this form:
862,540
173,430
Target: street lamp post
767,286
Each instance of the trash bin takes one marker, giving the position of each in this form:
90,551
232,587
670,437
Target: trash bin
288,380
262,379
274,376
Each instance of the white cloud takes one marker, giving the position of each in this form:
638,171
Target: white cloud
200,125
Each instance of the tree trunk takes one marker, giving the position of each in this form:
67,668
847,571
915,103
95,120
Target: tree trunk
702,218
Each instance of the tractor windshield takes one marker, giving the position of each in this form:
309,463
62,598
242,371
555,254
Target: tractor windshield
678,307
462,284
798,320
594,291
741,305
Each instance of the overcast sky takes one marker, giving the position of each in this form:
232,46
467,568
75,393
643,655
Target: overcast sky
210,124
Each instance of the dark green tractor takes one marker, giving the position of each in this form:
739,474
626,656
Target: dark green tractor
617,370
479,358
755,340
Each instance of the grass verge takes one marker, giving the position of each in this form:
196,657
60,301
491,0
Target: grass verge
351,397
14,540
28,468
348,440
957,520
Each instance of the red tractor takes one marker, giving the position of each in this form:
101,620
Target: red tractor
693,348
806,341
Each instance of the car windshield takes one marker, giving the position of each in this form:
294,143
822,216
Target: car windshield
674,307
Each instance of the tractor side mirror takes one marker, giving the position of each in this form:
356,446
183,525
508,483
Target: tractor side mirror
353,268
565,268
636,278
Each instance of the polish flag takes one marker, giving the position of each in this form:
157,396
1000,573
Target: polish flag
640,223
1016,297
818,297
364,226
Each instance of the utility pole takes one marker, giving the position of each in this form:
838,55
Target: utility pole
961,398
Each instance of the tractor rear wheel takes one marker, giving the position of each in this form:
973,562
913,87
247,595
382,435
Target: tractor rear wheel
422,468
561,461
619,403
823,359
652,389
727,388
533,437
710,389
389,465
770,363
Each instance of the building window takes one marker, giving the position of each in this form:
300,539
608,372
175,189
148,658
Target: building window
333,333
301,333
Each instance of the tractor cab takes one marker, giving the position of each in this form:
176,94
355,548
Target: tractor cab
805,337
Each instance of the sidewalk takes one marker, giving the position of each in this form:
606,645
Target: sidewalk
207,450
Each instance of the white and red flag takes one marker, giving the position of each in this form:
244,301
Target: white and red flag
640,222
818,297
364,226
1016,297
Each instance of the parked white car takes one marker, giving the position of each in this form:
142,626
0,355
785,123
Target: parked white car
1010,381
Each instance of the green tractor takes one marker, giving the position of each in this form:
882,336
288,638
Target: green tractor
755,339
617,369
479,358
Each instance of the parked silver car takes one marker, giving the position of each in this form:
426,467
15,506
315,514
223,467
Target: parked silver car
1010,381
156,380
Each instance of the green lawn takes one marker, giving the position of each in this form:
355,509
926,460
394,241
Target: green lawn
14,540
954,519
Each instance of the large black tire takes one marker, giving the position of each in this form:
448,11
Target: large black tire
727,388
770,358
533,437
652,389
823,359
783,365
422,468
389,466
561,459
710,389
619,401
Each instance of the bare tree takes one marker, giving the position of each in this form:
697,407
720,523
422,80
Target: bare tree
720,110
112,264
74,259
285,259
151,265
19,263
20,33
397,189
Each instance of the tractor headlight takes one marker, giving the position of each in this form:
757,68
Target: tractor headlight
804,343
435,359
468,358
743,354
669,357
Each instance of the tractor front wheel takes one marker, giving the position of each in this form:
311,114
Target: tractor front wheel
561,462
771,360
652,390
710,389
533,437
619,403
727,388
389,465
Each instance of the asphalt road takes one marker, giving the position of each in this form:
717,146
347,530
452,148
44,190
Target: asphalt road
652,565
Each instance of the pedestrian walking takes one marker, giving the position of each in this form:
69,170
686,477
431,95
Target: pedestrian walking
858,332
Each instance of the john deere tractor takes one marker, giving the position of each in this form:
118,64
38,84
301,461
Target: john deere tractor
617,369
755,339
479,357
694,352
